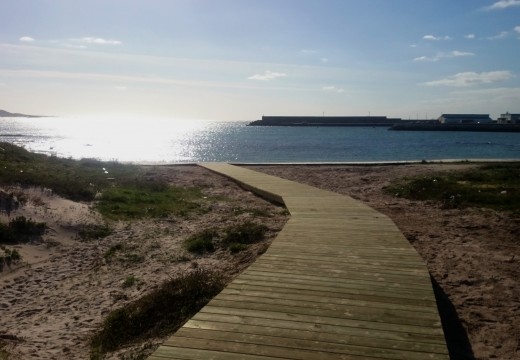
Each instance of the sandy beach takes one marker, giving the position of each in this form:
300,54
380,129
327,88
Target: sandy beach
51,305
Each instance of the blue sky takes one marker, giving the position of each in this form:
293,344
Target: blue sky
240,59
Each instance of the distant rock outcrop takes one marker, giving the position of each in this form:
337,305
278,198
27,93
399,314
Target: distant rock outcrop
4,113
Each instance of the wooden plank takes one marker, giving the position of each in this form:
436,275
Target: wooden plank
337,330
317,335
340,281
284,343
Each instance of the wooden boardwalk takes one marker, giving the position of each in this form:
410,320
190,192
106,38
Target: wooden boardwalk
340,281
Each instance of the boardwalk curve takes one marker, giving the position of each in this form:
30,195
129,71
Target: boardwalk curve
340,281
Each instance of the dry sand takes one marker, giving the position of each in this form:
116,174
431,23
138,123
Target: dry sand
50,307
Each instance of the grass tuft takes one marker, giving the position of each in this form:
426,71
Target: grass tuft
201,242
131,202
20,230
94,232
245,233
491,186
159,313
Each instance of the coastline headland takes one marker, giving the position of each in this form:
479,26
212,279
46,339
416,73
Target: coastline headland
325,121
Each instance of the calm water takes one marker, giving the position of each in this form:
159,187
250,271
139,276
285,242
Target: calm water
174,141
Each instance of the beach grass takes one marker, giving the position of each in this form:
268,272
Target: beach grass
494,186
126,192
158,313
20,230
126,202
78,180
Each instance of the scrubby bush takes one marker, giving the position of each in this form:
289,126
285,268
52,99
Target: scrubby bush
20,229
201,242
159,313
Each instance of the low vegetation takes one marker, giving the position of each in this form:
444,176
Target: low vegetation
8,257
127,193
76,180
94,231
245,233
201,242
20,230
494,186
161,312
133,201
234,238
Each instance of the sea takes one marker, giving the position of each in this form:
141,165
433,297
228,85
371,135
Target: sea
172,141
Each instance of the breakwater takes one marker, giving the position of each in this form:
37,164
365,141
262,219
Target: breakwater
457,127
325,121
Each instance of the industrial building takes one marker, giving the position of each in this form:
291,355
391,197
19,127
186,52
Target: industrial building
508,118
465,119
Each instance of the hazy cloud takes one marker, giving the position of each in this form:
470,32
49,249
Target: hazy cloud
267,75
307,52
456,53
451,54
469,36
97,41
517,29
471,78
436,38
324,60
333,89
26,39
426,58
502,35
503,4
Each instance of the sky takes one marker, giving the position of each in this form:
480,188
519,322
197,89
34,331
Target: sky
241,59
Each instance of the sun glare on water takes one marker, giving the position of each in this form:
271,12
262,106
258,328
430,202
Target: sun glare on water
136,139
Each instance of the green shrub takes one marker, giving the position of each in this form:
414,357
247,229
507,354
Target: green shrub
236,247
20,229
9,257
94,231
159,313
246,233
201,242
130,280
113,250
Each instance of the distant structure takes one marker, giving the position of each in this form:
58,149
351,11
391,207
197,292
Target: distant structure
508,118
325,121
465,119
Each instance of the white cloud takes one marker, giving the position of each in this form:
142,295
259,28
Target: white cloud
324,60
267,75
413,46
451,54
426,58
333,89
26,39
517,29
502,35
121,88
503,4
436,38
471,78
307,52
456,53
469,36
97,41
